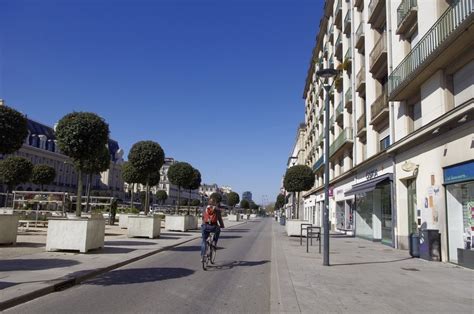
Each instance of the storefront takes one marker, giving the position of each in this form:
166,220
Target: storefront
374,217
459,183
344,207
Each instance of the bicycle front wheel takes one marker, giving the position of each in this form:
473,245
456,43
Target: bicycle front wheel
213,252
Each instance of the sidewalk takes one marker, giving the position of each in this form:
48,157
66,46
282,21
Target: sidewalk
28,272
365,277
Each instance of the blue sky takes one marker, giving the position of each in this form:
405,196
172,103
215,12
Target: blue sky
218,83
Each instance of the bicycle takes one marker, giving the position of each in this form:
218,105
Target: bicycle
210,255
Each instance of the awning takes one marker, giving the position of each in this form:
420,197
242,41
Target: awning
368,186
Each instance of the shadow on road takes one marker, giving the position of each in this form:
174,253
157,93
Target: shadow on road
166,234
376,262
223,236
191,248
4,285
226,266
128,243
35,264
24,244
111,250
236,230
139,275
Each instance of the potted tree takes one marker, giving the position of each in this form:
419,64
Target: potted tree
147,157
82,137
13,171
131,177
180,174
297,179
232,200
245,205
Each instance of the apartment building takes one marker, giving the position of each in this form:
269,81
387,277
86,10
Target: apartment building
401,121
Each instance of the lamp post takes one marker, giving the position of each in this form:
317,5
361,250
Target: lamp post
324,75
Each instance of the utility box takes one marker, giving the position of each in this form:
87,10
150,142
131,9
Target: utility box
430,245
414,239
282,220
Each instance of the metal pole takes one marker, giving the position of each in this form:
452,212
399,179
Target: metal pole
327,87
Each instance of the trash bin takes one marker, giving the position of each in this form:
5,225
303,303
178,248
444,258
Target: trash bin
282,220
414,244
430,245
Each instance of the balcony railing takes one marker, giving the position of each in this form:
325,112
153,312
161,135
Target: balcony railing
345,136
338,8
404,9
360,79
348,55
446,25
380,50
347,22
379,106
376,13
331,31
348,96
360,36
339,110
361,124
318,163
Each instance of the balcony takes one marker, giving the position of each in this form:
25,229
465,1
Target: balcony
348,59
321,114
360,81
444,42
331,122
407,15
339,112
318,164
377,13
331,61
326,50
378,58
360,38
331,32
320,141
379,109
345,138
359,4
348,99
361,126
347,23
338,46
338,14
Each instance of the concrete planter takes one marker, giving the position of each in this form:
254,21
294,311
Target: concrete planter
293,227
253,216
180,223
144,226
233,217
79,234
8,228
123,221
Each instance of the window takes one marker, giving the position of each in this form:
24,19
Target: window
384,143
414,114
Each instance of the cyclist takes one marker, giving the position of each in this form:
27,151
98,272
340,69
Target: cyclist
211,222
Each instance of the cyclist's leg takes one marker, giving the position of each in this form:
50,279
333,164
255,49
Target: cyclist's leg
217,232
205,235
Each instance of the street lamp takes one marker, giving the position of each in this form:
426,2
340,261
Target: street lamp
324,75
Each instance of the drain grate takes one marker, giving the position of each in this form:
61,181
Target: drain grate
410,269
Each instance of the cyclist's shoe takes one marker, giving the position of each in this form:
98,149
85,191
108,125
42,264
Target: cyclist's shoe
203,259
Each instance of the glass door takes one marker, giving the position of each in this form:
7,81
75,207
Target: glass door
386,202
411,196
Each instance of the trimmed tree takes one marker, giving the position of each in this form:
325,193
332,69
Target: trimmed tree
96,165
43,175
233,199
131,176
194,184
161,196
216,197
244,204
13,171
195,202
180,174
81,136
13,130
297,179
147,157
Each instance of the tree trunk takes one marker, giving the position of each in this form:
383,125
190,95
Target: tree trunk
131,196
179,200
147,198
189,202
79,193
88,192
8,194
298,207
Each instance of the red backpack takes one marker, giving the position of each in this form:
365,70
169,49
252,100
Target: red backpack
210,215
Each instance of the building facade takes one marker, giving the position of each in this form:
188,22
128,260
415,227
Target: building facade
247,195
401,121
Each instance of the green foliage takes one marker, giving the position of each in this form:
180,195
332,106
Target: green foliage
280,201
183,202
153,178
147,157
128,210
161,196
253,205
13,130
98,163
129,173
216,197
299,178
15,170
244,204
43,174
195,202
233,199
181,174
82,136
195,182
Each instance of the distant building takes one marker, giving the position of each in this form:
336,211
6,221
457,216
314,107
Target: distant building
247,195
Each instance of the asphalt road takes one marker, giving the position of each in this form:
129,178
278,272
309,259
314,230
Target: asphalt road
174,282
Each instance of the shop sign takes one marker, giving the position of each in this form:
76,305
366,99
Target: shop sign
459,173
331,192
371,174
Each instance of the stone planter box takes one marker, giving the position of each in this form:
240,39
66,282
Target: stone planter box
293,227
233,217
8,228
78,234
253,215
123,220
180,223
144,226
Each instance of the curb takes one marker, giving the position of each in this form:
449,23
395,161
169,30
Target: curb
65,283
